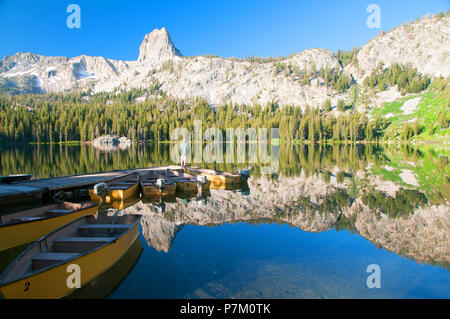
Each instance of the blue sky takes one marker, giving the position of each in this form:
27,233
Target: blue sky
115,29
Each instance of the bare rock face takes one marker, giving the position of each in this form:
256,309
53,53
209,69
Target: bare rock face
425,45
315,59
221,80
423,236
20,72
157,46
158,232
34,73
23,59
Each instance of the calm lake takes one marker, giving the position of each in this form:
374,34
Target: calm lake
310,230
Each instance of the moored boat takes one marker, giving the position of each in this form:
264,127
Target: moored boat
106,283
122,204
25,226
218,179
154,184
71,256
120,188
15,178
186,183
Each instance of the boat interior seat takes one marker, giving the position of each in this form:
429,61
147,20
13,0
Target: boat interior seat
79,244
97,230
85,239
26,218
53,212
118,187
47,259
106,226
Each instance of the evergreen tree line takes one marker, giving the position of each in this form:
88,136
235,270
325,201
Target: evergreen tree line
406,78
83,117
338,80
347,57
45,160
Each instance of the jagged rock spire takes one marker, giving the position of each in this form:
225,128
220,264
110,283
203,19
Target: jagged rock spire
157,46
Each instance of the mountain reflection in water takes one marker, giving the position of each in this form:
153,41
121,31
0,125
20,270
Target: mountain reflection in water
308,231
405,224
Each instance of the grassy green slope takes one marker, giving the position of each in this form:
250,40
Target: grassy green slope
433,101
429,166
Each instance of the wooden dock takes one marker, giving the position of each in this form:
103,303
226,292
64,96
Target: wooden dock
38,190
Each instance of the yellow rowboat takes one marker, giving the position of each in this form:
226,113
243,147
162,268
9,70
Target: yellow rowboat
70,257
154,200
23,227
154,184
121,204
106,283
120,188
187,183
218,179
15,178
8,255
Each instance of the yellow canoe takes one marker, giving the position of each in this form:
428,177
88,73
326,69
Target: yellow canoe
218,179
23,227
149,187
107,283
187,183
121,204
120,188
70,257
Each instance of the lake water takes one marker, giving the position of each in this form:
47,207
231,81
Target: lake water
310,230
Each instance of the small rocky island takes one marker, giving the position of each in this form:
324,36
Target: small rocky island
111,142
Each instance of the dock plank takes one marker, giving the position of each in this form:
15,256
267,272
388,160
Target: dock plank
35,189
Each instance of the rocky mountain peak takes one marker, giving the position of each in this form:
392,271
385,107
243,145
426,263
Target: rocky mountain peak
27,59
289,81
157,46
423,44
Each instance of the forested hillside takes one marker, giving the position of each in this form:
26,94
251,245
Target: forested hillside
82,117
